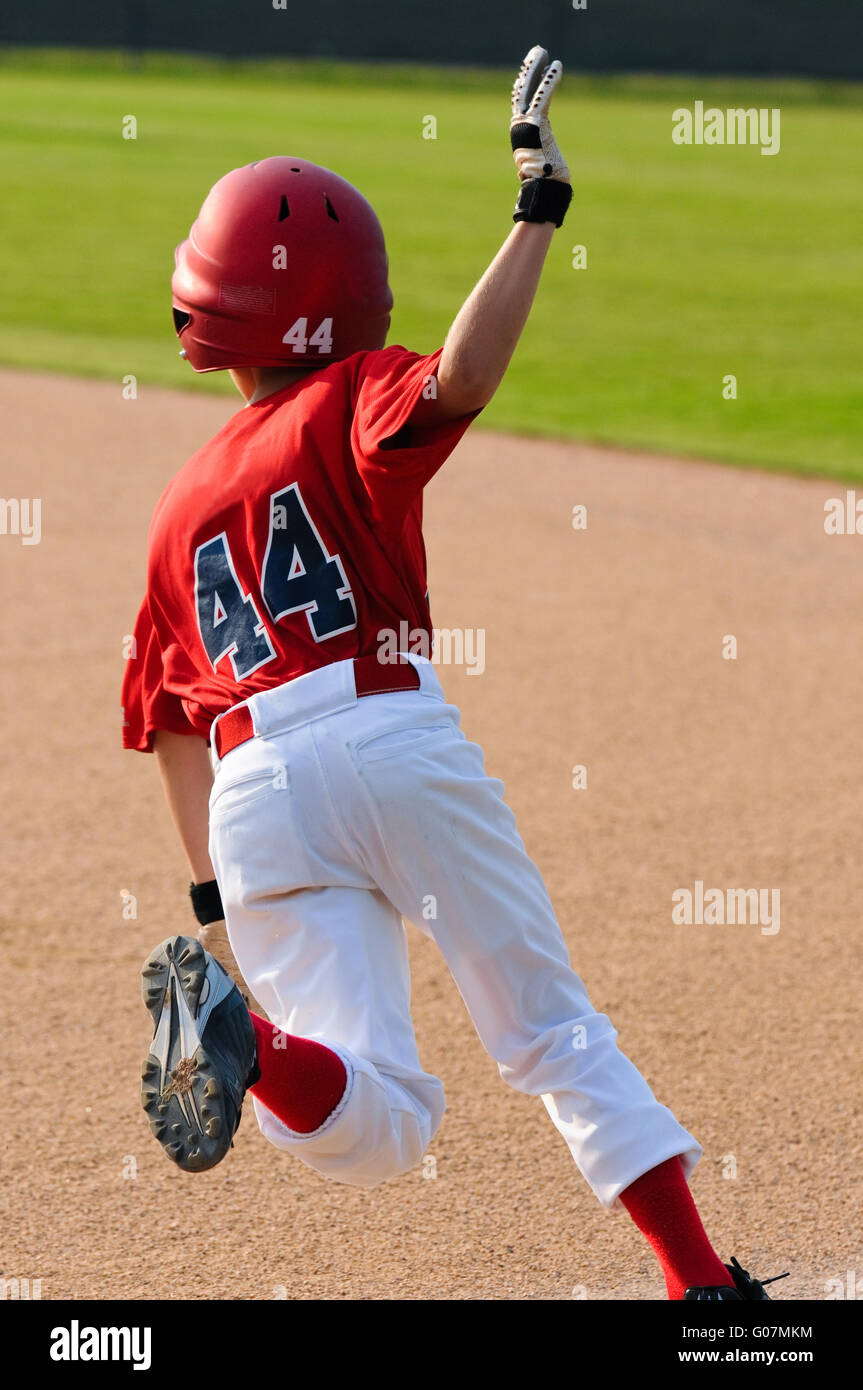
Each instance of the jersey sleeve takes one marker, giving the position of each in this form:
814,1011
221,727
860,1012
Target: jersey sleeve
395,458
147,705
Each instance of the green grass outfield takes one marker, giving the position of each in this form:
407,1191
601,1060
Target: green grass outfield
702,261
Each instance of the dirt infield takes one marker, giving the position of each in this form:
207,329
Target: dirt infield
603,648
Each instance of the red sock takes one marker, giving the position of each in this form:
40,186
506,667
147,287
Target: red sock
302,1081
662,1208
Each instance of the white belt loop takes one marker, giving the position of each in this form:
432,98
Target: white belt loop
429,681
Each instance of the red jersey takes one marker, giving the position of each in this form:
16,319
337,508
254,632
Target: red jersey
287,542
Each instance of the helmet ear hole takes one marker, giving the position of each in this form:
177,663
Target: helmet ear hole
181,318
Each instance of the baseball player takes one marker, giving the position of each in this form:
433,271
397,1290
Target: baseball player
339,795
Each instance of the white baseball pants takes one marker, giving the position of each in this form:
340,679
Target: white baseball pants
339,818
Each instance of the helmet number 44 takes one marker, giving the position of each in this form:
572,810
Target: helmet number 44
322,338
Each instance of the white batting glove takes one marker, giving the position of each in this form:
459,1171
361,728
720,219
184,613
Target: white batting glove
534,148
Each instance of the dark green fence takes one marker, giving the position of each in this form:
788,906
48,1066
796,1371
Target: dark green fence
810,37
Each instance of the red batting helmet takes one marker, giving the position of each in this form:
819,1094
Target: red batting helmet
285,263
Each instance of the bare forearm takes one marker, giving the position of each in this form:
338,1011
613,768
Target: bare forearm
485,332
187,777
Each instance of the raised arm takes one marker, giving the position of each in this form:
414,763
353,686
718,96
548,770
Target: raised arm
485,331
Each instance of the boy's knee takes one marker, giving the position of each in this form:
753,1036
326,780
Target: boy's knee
381,1134
394,1154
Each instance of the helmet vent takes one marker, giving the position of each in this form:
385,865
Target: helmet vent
284,210
331,212
181,318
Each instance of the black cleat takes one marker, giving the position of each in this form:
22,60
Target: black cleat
744,1288
202,1058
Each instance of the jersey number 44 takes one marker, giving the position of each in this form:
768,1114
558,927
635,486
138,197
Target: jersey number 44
297,575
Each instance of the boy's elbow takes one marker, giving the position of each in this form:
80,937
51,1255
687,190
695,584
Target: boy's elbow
464,392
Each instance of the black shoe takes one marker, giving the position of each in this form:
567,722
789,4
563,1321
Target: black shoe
202,1057
744,1288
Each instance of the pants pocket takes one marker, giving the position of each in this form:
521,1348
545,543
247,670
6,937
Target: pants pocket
406,739
235,796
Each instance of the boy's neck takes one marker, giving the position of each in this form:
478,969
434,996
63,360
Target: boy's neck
256,383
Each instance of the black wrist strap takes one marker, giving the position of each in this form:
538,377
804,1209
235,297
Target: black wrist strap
206,902
543,200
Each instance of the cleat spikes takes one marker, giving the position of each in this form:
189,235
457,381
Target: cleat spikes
193,1094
